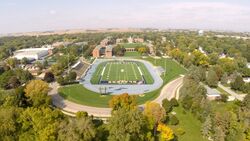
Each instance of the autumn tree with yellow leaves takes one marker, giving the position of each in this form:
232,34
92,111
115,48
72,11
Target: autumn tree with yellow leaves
166,133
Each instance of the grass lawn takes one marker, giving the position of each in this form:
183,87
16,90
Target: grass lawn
132,45
132,54
79,94
190,125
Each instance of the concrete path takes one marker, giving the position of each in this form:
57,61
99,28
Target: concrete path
231,92
68,107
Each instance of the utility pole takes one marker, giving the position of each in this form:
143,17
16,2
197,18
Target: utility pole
65,46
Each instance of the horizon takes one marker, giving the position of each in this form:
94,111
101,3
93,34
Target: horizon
182,14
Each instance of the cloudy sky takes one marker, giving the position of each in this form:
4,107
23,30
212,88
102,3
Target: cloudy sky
43,15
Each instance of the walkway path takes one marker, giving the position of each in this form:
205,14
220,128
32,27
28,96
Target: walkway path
231,92
168,91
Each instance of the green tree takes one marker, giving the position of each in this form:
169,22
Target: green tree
212,78
9,126
167,105
12,62
206,128
72,76
80,129
127,125
36,91
238,83
39,124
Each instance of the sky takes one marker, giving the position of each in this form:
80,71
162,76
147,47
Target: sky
45,15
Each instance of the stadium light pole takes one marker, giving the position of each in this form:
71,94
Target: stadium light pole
165,68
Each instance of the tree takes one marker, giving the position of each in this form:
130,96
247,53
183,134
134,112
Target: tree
238,83
13,82
126,124
11,62
79,129
228,65
219,134
154,113
39,124
60,80
49,77
167,105
36,91
72,76
206,128
173,120
24,61
122,101
166,133
174,102
212,78
9,127
213,58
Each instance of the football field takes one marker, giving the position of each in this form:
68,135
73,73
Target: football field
122,72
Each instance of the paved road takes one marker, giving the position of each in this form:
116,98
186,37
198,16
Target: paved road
168,91
231,92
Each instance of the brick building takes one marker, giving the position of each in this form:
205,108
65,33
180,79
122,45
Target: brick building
99,50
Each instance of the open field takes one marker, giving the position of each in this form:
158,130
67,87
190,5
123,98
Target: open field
132,54
79,94
121,72
132,45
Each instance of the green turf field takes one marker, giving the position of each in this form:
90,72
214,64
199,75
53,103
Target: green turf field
121,72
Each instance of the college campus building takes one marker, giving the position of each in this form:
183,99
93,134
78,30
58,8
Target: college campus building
135,40
105,51
32,53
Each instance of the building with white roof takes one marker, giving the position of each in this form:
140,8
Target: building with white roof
212,94
32,53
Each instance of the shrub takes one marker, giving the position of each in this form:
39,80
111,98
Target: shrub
173,120
49,77
174,102
81,114
180,131
167,105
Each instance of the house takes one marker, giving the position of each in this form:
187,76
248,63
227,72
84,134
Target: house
246,79
248,65
212,94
